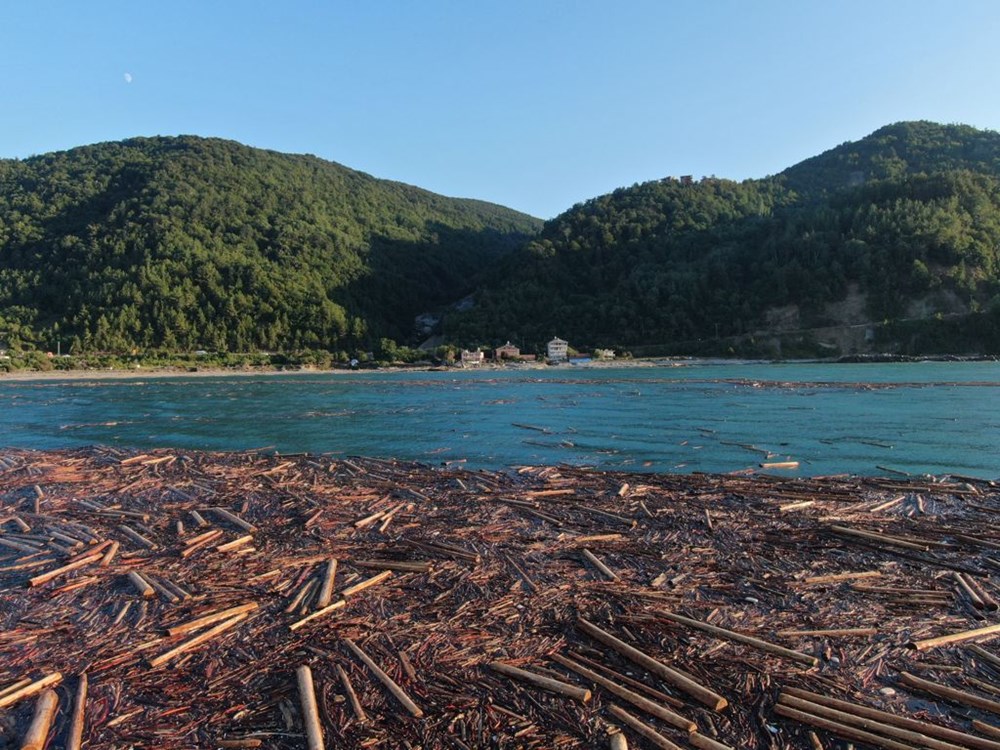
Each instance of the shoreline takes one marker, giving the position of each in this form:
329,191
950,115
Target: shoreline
623,364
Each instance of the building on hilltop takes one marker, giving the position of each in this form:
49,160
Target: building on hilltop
557,350
507,351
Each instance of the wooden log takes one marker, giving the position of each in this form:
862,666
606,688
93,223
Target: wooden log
872,536
385,679
318,613
841,730
41,722
234,519
359,712
197,640
15,686
644,704
46,577
74,736
985,655
213,617
310,712
599,564
988,602
963,635
198,518
326,588
110,554
236,543
540,681
702,742
209,535
136,537
749,640
162,590
873,725
404,566
203,541
949,693
642,729
608,672
240,742
367,583
923,727
828,633
33,687
963,584
837,577
988,729
140,584
700,693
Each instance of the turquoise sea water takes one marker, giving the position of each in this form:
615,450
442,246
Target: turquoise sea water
915,417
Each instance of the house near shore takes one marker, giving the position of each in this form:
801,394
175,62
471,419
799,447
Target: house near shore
472,358
557,350
604,355
507,351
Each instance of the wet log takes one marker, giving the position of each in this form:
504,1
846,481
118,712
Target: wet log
540,681
841,730
33,687
964,635
74,735
700,693
642,729
38,732
140,584
635,699
43,578
310,712
211,618
326,587
317,614
359,712
702,742
949,693
748,640
367,583
922,727
234,519
385,679
599,564
197,640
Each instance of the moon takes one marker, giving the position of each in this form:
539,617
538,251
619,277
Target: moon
128,78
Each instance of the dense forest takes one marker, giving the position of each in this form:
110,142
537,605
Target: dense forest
190,243
908,217
187,243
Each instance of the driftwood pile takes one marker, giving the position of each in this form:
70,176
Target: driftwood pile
245,600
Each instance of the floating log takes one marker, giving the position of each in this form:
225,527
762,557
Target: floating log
635,699
317,614
884,717
310,712
597,563
197,640
749,640
326,587
235,544
74,735
211,618
963,635
385,679
545,683
367,583
949,693
699,692
33,687
827,633
46,577
840,730
41,722
359,712
702,742
234,519
136,537
140,584
642,729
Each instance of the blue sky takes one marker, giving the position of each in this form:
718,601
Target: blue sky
534,104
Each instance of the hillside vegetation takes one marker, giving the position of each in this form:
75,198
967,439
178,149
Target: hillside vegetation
190,243
910,216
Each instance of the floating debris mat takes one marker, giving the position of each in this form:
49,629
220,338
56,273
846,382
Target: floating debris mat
239,600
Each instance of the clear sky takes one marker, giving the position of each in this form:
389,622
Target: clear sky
534,104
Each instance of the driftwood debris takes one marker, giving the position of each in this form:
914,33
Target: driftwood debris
469,609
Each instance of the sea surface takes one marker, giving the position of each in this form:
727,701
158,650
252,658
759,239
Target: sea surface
926,417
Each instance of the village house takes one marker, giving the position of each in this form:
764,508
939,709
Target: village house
557,350
472,357
507,351
604,354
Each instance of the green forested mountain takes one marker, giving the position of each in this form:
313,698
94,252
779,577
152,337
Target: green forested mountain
187,243
905,222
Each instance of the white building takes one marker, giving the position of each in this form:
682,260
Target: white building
557,350
472,358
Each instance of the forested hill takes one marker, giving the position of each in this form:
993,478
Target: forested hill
902,225
189,243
